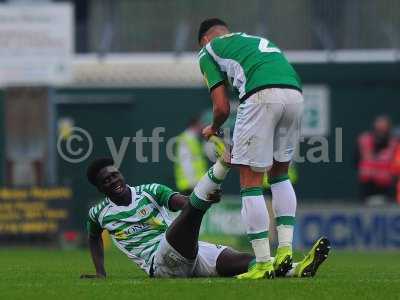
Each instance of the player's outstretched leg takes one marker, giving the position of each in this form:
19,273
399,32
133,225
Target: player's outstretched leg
284,205
231,262
183,233
317,255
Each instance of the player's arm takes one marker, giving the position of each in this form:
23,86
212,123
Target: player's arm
178,201
167,197
175,201
215,80
96,248
97,252
221,107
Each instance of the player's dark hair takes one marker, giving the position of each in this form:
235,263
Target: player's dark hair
95,167
207,24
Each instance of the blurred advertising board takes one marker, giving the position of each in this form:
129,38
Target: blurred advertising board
224,218
316,114
34,214
348,227
352,228
36,44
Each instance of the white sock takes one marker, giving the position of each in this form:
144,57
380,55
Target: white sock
261,250
220,171
284,205
291,272
285,235
211,181
256,220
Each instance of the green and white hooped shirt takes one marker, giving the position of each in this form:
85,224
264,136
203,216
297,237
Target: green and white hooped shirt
138,228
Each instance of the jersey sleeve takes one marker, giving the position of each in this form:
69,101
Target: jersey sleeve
212,74
162,194
93,226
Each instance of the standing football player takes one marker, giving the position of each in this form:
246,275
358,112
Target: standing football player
266,131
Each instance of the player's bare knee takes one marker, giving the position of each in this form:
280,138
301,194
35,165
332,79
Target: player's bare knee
278,169
250,177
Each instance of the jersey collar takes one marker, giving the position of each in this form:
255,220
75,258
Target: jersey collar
122,208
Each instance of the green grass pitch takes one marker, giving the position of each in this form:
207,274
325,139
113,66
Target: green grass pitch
54,274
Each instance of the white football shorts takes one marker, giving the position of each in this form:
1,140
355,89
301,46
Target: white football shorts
267,127
169,263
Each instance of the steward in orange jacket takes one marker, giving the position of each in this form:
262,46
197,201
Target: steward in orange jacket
376,152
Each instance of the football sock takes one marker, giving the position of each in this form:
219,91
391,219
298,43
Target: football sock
291,272
256,220
284,205
207,184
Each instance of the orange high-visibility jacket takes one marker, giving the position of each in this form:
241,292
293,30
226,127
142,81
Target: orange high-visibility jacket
375,167
396,171
396,161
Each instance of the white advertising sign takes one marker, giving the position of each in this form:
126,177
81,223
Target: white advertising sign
36,44
316,111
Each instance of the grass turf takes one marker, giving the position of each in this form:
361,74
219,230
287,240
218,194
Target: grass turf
54,274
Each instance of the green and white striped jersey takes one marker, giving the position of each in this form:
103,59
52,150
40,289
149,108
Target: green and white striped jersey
138,228
249,62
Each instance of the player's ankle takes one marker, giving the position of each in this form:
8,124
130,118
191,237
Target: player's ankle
285,245
199,203
261,248
220,169
264,260
223,163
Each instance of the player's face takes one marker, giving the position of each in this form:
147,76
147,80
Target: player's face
213,32
111,182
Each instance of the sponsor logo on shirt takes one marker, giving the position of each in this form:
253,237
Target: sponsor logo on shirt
135,228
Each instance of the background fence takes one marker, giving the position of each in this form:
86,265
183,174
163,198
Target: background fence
159,25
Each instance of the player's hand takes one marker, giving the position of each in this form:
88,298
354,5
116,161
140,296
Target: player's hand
215,196
209,131
93,276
